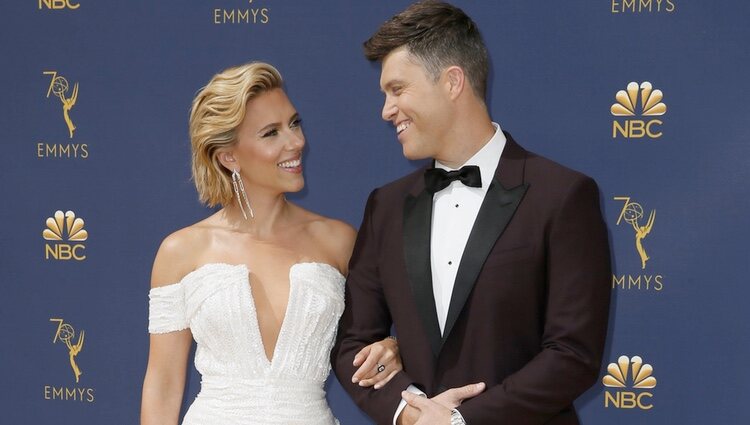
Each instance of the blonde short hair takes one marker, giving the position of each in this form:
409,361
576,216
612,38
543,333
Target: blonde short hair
217,112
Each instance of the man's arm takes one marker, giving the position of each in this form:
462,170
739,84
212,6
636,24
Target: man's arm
366,319
579,274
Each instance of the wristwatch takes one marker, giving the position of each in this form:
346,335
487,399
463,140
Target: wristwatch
456,418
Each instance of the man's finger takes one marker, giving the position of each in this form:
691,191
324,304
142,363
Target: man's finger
415,400
460,394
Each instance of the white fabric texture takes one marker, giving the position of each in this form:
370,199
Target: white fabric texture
239,384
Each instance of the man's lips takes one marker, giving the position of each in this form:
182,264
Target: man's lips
402,126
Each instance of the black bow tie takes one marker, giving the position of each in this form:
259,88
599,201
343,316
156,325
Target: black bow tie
437,179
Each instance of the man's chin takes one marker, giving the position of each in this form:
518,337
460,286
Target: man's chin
413,156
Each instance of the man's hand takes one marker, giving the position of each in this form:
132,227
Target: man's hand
437,410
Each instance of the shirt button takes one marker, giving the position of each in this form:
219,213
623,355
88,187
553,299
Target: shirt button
450,263
456,205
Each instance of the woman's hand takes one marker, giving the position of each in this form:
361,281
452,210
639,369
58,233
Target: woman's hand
378,363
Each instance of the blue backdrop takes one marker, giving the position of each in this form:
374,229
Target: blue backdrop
122,75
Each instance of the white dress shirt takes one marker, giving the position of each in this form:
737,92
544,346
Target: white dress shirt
454,210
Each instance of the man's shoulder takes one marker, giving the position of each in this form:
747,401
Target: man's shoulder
551,183
402,185
541,169
549,180
537,169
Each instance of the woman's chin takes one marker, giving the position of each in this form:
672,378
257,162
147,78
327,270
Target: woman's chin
296,187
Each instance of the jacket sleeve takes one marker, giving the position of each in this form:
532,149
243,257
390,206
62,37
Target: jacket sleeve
366,319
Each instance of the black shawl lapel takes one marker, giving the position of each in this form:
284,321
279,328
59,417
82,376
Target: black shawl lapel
417,222
494,215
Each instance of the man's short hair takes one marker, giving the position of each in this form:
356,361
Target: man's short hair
439,35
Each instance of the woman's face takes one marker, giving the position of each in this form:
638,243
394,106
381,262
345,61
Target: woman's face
269,145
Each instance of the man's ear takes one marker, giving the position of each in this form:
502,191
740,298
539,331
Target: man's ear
455,80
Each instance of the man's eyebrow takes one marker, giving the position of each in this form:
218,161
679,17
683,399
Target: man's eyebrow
390,84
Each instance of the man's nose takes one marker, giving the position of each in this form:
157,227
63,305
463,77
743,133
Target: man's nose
389,109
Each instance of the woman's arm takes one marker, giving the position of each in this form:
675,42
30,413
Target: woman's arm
164,383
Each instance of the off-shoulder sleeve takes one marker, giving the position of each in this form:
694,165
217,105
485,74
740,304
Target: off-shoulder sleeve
166,309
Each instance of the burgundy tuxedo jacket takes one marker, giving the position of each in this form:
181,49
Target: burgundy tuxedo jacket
528,313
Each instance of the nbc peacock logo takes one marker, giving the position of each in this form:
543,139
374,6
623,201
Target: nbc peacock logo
629,373
638,99
60,229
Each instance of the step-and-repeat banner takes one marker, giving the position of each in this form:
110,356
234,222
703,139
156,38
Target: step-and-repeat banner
649,97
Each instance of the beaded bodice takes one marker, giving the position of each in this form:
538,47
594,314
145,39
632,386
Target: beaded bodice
215,301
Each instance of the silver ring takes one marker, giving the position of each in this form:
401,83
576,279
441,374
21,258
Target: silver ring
381,367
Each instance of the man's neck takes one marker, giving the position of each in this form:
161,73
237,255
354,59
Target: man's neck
464,141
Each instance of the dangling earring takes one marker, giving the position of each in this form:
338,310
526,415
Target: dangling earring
239,187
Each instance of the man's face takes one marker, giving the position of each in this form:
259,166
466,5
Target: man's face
419,108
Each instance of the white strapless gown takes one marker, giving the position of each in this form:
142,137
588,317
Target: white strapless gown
239,384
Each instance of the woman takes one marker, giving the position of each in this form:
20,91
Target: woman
259,285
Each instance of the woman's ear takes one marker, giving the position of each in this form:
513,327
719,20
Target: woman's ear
228,160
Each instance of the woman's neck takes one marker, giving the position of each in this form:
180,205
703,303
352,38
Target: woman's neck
269,212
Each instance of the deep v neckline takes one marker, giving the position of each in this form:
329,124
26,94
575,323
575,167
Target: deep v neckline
254,323
253,319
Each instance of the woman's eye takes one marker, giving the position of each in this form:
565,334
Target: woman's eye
271,133
296,123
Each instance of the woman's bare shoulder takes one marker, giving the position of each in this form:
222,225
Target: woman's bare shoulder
334,236
179,253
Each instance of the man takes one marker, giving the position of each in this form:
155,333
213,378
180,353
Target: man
492,262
